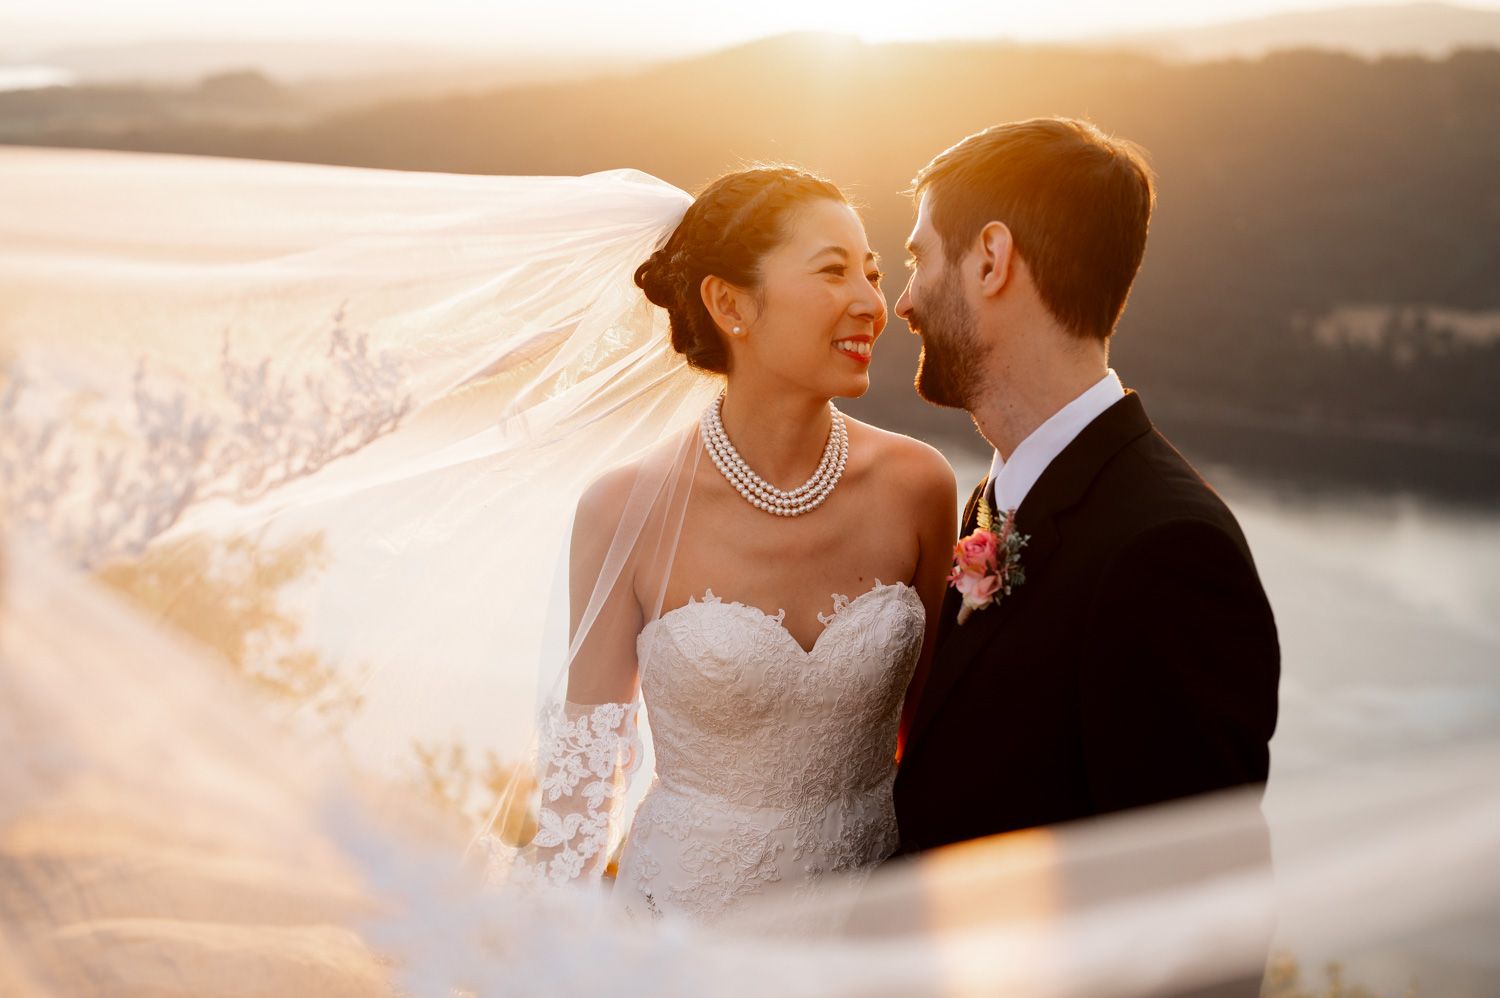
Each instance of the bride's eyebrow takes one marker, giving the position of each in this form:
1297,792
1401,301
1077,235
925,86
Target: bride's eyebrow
871,256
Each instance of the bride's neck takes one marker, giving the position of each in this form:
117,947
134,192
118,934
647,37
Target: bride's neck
780,434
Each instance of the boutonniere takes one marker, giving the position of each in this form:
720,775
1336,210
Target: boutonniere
987,563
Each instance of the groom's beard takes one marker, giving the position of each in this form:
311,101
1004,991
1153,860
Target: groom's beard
949,367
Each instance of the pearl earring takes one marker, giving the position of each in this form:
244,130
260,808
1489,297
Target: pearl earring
736,330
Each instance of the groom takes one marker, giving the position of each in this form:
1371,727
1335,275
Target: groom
1137,662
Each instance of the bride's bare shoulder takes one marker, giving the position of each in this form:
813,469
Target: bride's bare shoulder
611,491
904,461
600,514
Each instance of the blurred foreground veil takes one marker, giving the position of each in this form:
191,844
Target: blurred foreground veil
334,424
289,460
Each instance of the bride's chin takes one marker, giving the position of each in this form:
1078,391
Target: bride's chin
841,385
856,390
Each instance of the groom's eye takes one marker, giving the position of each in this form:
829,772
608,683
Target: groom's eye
875,276
833,268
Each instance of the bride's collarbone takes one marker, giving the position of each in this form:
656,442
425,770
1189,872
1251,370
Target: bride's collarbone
777,558
794,567
781,563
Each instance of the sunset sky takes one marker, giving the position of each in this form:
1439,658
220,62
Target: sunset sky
643,25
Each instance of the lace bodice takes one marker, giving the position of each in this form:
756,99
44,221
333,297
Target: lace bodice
773,763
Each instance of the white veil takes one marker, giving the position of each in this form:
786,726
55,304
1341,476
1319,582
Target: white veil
321,432
335,422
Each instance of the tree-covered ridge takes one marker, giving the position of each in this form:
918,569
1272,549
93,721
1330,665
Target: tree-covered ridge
1298,192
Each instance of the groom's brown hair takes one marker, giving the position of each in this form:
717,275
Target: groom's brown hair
1077,203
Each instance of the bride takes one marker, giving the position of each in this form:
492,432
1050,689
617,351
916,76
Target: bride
404,370
803,585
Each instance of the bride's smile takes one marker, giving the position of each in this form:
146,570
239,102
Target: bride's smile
857,347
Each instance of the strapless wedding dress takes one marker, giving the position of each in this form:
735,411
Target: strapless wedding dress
774,764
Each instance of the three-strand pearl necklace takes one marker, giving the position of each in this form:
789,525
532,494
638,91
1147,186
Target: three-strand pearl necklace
762,494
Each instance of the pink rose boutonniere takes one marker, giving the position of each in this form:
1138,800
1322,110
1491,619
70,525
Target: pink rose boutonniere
987,563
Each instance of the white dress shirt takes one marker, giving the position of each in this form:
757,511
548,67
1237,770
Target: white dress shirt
1009,481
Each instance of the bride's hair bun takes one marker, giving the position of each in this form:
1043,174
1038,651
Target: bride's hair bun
728,228
655,277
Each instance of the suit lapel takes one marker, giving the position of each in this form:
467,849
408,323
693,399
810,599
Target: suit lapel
1061,486
971,509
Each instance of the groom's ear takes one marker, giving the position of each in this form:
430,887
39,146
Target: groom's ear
996,247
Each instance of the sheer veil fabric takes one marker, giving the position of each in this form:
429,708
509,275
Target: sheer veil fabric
398,384
289,462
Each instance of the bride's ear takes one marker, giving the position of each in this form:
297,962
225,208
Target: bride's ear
996,247
731,307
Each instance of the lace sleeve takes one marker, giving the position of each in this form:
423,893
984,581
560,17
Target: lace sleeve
585,757
587,739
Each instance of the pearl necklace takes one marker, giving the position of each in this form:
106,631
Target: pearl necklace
762,494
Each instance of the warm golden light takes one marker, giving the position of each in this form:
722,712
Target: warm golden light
580,27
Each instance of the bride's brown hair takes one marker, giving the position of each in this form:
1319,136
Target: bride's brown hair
729,227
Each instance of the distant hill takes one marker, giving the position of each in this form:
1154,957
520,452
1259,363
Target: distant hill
330,73
1323,261
184,61
1433,29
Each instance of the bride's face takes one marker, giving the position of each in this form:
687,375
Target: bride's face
820,309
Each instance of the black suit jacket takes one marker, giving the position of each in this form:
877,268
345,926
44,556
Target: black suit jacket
1137,663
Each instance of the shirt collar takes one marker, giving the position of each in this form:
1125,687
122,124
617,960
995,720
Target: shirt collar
1009,481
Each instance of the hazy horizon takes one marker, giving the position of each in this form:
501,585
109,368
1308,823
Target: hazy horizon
647,29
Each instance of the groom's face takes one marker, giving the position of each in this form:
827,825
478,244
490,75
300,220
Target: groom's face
935,309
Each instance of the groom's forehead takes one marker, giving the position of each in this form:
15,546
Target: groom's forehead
922,225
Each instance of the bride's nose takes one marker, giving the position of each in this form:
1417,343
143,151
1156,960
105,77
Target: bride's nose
869,304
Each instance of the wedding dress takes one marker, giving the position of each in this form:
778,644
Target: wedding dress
774,763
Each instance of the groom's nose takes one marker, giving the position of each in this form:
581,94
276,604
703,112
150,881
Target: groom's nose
903,304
